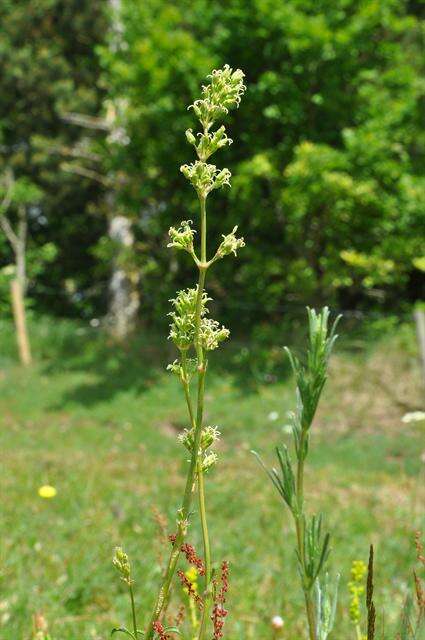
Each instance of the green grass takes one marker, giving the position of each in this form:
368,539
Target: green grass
99,423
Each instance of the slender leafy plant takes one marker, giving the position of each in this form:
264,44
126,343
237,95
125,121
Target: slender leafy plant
195,334
312,546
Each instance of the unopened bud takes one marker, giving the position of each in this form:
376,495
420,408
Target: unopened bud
190,137
122,564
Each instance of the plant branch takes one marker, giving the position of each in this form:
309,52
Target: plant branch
4,206
86,173
8,232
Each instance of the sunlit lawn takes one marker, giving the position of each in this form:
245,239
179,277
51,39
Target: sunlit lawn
100,425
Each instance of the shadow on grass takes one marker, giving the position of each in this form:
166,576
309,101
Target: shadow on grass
104,368
107,367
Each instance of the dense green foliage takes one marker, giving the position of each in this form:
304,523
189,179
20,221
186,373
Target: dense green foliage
48,69
328,177
327,182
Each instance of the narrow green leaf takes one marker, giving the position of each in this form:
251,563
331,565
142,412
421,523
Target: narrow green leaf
124,631
273,475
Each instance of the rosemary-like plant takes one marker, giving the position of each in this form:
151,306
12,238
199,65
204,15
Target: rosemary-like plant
195,334
312,546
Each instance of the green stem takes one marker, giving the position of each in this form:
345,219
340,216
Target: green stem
133,610
202,511
203,623
207,551
310,615
300,529
201,487
202,201
300,483
186,389
190,479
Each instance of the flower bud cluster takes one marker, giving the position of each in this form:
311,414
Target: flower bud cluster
205,177
182,237
212,333
186,374
229,244
208,143
122,564
183,321
182,327
209,436
208,461
224,92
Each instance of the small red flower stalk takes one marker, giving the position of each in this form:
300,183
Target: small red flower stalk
190,553
189,587
219,613
195,334
220,589
160,630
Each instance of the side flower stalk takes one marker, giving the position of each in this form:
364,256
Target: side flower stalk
122,564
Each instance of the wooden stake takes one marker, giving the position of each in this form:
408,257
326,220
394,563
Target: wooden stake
20,323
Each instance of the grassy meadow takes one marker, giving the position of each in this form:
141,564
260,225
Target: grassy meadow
99,423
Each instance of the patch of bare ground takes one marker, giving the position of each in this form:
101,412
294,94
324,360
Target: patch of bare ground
373,394
387,493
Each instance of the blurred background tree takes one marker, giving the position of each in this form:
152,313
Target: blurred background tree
328,184
328,180
49,67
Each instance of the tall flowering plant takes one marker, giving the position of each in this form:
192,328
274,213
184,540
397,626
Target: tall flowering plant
195,334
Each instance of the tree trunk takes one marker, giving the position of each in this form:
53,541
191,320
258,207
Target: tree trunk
124,298
123,287
18,288
20,322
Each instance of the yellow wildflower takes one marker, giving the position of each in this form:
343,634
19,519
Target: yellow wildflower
356,589
47,491
192,575
358,570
